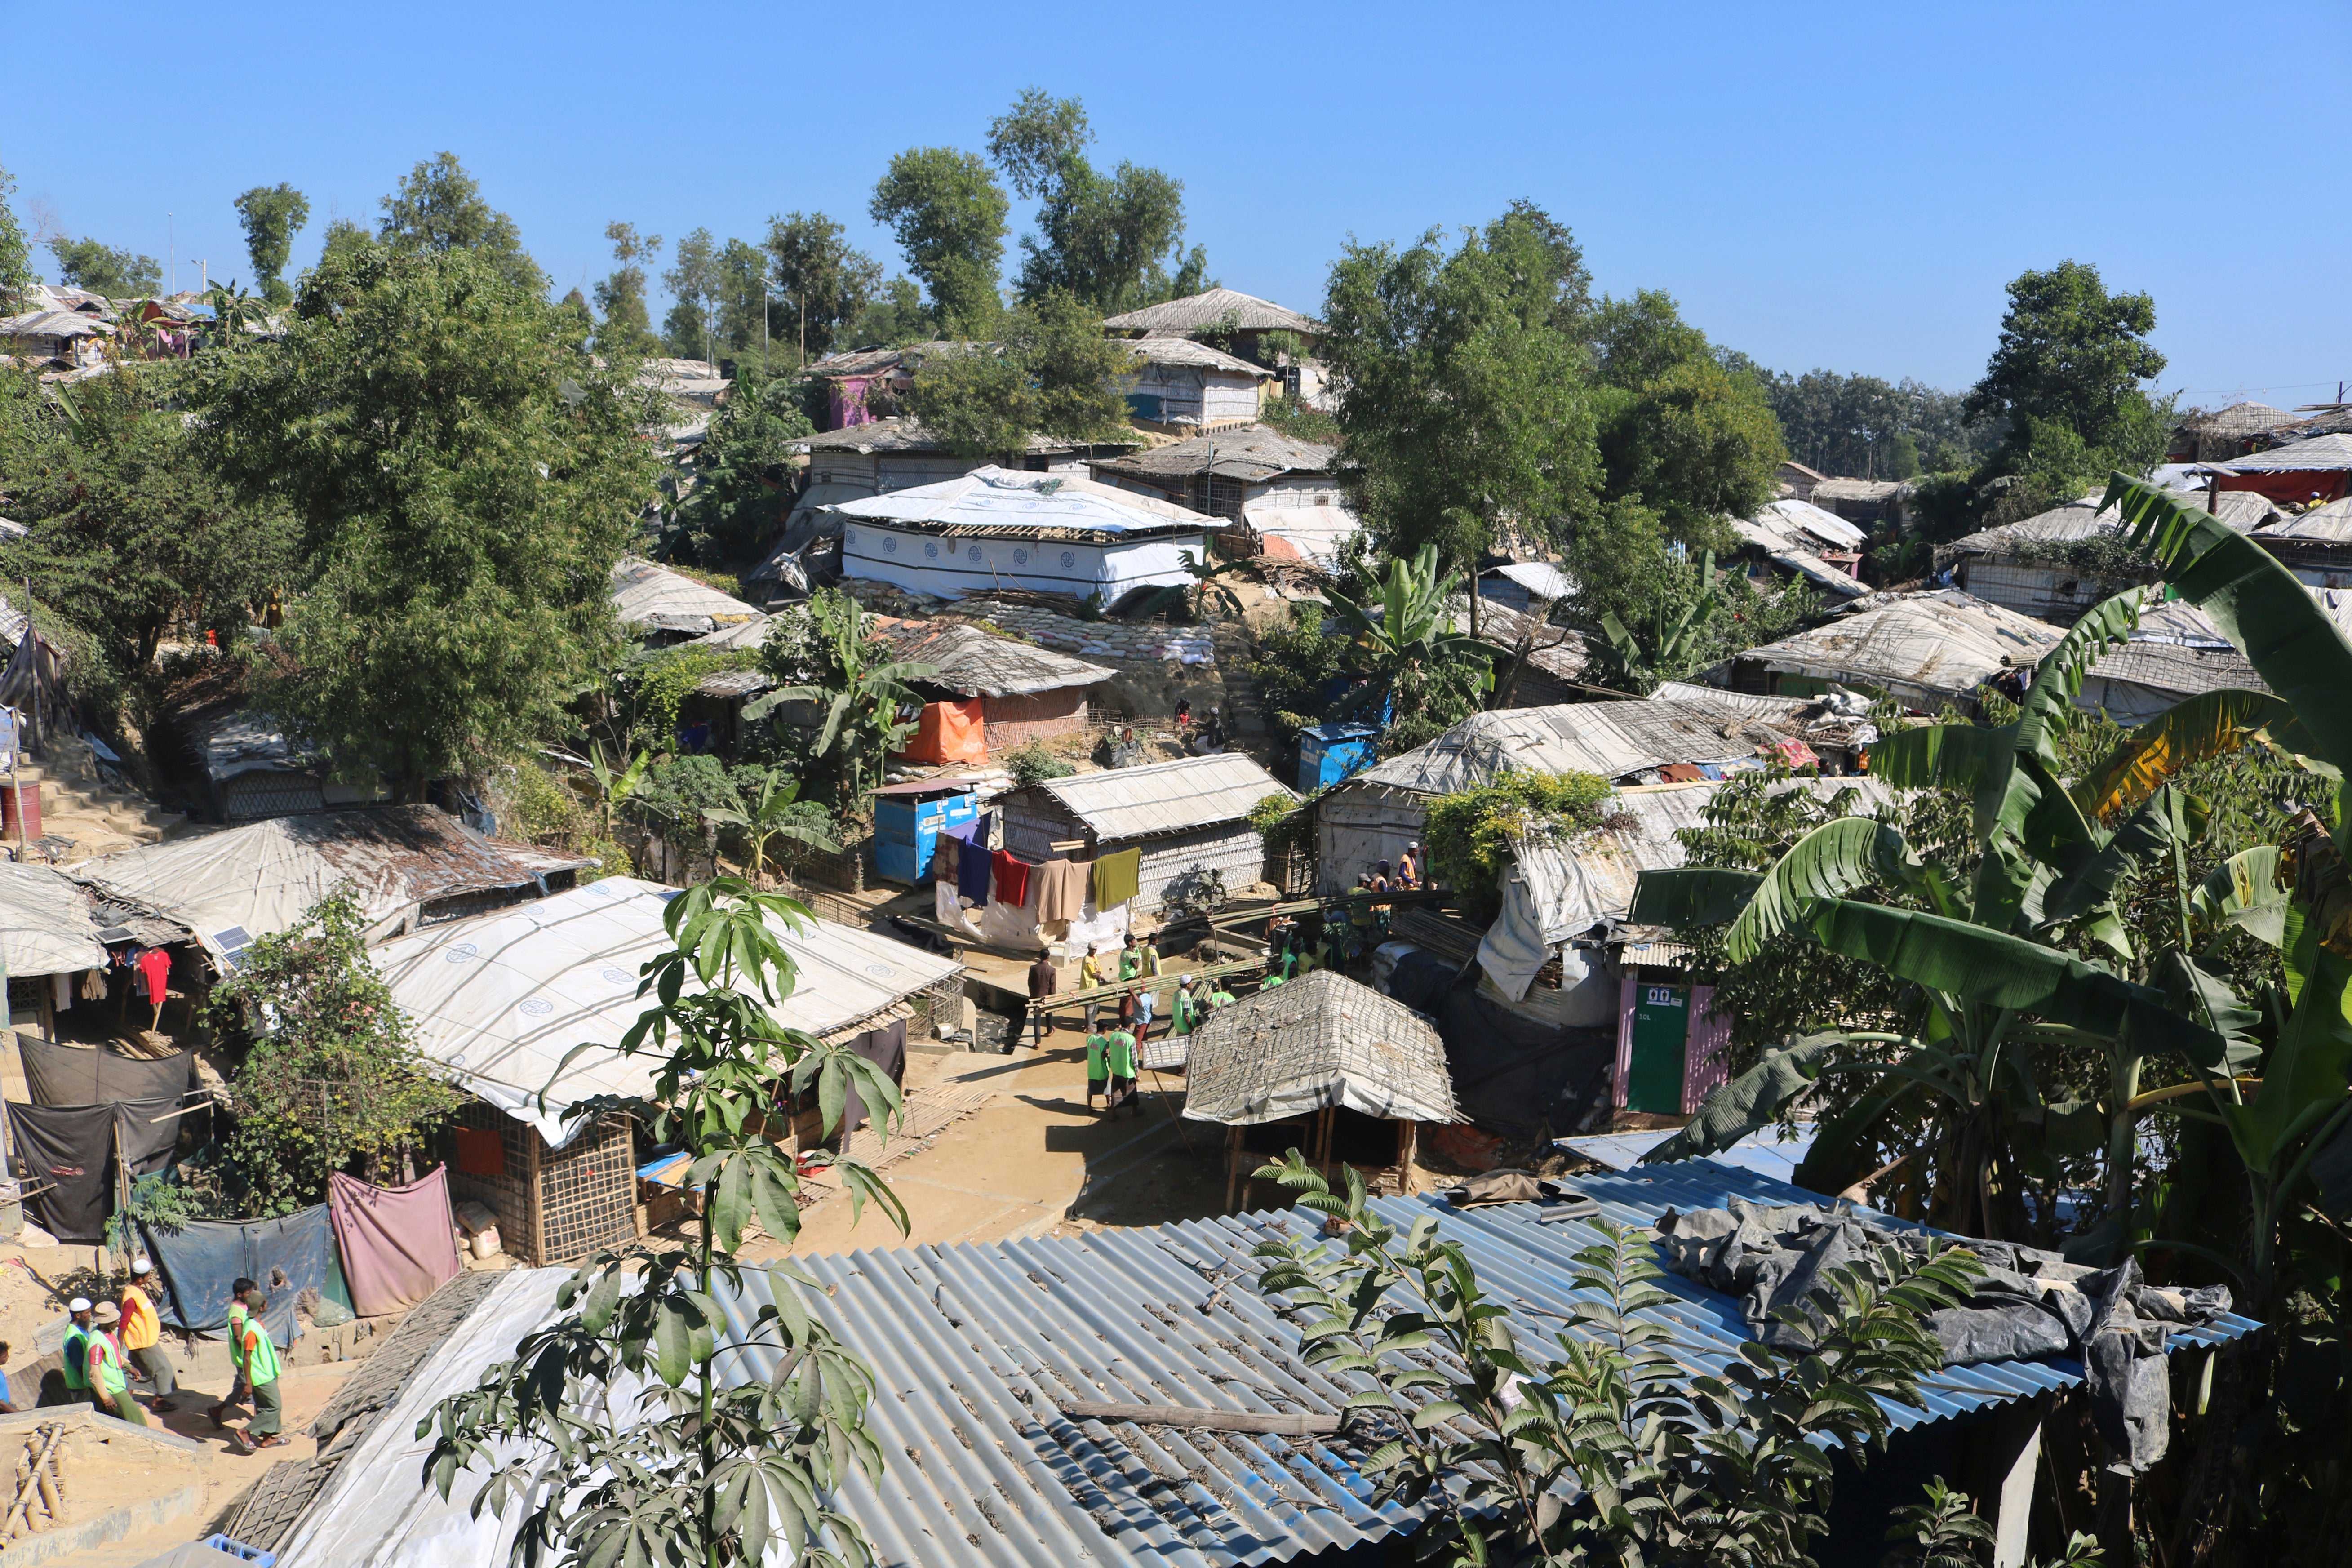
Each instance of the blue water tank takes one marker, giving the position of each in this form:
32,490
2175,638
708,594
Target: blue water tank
907,823
1330,753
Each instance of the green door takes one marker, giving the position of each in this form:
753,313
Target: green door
1654,1082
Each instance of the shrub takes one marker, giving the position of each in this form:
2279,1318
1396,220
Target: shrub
1029,762
1469,835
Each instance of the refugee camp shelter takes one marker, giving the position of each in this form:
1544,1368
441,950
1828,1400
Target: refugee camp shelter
908,820
1537,664
1865,501
1375,815
1324,1065
982,1353
662,606
1808,541
2217,435
255,767
1005,528
1224,313
863,384
1188,818
500,1002
2315,545
1180,382
2309,472
1282,488
1922,649
46,930
2176,653
1530,587
411,865
991,693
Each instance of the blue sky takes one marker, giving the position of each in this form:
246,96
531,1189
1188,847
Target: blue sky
1847,186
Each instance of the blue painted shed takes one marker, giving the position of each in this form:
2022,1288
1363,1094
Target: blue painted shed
907,819
1330,753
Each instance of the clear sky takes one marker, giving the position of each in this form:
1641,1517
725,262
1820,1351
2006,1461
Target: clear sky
1846,186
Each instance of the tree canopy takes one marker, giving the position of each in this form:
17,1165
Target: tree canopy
948,213
464,477
1113,241
742,483
828,282
272,216
102,269
626,329
16,250
440,208
1054,373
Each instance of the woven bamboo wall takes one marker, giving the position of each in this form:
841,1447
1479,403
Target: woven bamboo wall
507,1196
587,1194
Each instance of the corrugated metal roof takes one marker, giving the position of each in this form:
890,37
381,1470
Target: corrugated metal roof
1937,645
972,661
2316,454
1541,578
1215,308
1793,524
1165,797
1610,739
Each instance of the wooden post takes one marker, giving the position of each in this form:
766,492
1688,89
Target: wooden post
1233,1164
536,1206
1408,1147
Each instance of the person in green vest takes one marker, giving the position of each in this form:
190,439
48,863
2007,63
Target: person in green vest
1186,1013
238,1388
1119,1056
1098,1079
1271,978
261,1371
76,1369
110,1375
1221,997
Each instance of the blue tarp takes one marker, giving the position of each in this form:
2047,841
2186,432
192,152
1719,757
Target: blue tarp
203,1259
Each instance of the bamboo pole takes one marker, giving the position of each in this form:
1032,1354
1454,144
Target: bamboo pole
1292,1424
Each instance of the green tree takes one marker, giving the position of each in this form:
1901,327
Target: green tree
708,1469
860,688
894,317
948,213
102,269
342,238
333,1076
743,473
129,533
465,477
1053,375
828,283
17,276
1113,241
272,216
2065,380
626,330
1422,675
691,331
1463,388
440,208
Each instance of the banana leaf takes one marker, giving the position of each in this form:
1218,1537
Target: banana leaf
2085,881
2209,724
2049,706
1750,1102
2309,1069
1690,896
1829,862
2257,603
2244,892
2204,997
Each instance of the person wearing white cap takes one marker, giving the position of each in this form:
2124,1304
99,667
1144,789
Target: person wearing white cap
1409,867
142,1332
77,1350
109,1373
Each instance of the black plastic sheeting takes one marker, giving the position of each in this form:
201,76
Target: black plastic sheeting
84,1075
2030,1304
1512,1076
886,1048
68,1149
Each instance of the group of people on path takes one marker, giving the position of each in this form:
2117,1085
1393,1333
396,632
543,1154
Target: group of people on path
1112,1054
104,1340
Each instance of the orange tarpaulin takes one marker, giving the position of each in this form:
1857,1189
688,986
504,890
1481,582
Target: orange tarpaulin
950,732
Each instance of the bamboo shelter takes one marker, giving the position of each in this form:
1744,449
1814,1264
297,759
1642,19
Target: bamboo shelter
1324,1065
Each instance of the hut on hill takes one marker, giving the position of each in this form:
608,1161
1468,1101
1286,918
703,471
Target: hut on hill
1921,649
1282,488
1324,1065
2315,545
2310,472
1003,693
662,606
1179,382
2220,434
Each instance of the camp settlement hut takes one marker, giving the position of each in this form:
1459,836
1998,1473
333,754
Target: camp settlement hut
1179,382
500,1001
1006,528
2315,545
1281,487
1375,815
1921,649
2176,652
1185,819
1806,541
662,606
47,936
991,693
1324,1065
2309,472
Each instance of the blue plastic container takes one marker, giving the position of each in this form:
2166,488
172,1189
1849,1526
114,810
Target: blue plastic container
1330,753
907,819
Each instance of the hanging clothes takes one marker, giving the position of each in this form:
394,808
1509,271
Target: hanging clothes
154,975
61,987
1117,878
1061,890
1012,879
943,859
972,866
946,907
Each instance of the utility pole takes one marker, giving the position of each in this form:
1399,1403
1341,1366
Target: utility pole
804,299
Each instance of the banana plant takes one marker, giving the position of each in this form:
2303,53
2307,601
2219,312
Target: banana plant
615,786
1674,644
862,696
1407,619
1205,588
1985,954
233,310
769,815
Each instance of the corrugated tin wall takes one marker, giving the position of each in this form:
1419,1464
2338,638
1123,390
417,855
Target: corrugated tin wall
1233,850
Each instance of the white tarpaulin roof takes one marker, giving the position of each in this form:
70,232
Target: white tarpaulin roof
992,497
1923,648
644,594
1553,892
239,883
44,924
1610,739
499,1000
1165,797
1321,1040
1316,532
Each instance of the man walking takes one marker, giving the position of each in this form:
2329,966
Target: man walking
1147,966
1044,979
1093,972
76,1351
110,1370
143,1334
238,1389
260,1358
1119,1056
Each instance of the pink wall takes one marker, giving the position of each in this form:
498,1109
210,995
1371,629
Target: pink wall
1705,1052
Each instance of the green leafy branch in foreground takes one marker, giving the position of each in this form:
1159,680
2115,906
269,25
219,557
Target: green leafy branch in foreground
614,1428
1618,1449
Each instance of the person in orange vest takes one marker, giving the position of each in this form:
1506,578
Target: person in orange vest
110,1370
143,1334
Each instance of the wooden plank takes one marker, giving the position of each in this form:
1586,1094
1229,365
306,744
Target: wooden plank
1290,1424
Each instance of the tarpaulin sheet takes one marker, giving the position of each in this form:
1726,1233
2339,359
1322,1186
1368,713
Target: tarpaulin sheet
886,1048
396,1242
146,1132
203,1259
1510,1071
72,1149
84,1075
950,732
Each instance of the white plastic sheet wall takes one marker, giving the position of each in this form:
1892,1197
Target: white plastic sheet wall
952,568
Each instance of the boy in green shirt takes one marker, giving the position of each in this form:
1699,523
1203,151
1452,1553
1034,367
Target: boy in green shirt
1096,1080
76,1351
260,1371
1119,1057
238,1389
1186,1013
110,1377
